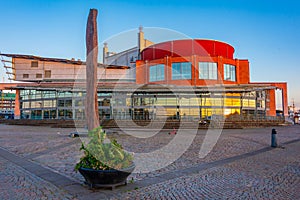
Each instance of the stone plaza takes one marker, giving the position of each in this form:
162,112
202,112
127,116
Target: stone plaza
37,162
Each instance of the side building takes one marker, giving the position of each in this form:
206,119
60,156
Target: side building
7,105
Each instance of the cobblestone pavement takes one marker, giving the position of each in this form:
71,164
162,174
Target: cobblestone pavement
17,183
240,166
270,175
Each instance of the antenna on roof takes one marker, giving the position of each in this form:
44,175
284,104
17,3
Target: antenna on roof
141,28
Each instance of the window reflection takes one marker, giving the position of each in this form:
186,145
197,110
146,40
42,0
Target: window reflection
208,70
229,72
181,70
157,73
141,105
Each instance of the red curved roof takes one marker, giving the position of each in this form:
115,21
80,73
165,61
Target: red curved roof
181,48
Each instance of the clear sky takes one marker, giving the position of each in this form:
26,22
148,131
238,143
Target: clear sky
266,32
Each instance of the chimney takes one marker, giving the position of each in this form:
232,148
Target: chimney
141,39
105,52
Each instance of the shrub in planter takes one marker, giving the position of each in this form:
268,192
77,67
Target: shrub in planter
104,162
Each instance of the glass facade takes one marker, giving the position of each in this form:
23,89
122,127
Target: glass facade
7,105
208,70
229,72
181,70
157,73
141,105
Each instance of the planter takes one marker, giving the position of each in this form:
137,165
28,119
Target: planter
106,178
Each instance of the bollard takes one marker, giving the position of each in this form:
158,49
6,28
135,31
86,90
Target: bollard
74,134
273,138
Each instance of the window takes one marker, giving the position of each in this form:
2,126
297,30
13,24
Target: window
38,75
61,103
47,73
34,64
208,70
68,103
25,75
80,102
49,103
157,73
229,72
64,103
181,70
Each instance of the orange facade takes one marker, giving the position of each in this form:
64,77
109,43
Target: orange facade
195,51
192,51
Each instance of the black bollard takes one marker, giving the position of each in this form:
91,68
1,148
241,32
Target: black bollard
273,138
74,134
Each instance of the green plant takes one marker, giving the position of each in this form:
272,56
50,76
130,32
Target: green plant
102,155
131,181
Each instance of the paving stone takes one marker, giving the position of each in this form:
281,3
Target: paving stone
241,166
17,183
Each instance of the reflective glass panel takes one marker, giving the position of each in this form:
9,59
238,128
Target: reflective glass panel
157,73
181,70
208,70
229,72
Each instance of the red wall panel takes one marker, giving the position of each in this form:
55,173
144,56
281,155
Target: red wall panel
189,47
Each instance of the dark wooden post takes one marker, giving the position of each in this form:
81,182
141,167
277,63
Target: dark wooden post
91,108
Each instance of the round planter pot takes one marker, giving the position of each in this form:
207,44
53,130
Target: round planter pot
106,178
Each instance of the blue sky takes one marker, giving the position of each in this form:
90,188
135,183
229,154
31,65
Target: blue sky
267,33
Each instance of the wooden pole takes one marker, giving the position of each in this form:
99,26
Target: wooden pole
91,108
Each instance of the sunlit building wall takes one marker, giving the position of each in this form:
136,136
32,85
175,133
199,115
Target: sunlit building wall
208,80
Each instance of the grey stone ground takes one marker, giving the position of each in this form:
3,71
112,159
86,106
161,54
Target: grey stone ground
38,162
